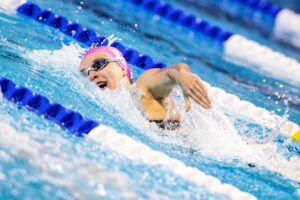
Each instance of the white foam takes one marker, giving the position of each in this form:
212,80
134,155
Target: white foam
63,59
222,141
217,137
63,64
15,46
210,132
10,6
2,177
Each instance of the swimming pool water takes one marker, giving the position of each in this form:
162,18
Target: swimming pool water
39,160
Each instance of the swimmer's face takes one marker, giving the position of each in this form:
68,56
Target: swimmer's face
108,77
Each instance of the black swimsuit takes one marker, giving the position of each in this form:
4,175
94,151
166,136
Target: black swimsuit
169,124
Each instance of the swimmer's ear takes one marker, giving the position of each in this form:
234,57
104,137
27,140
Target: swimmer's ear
187,103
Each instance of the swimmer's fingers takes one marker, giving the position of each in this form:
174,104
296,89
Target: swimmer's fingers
193,87
202,93
197,96
202,88
187,103
197,99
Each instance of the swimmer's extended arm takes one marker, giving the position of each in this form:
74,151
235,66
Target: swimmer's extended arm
160,82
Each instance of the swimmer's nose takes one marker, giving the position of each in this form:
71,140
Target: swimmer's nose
96,77
93,75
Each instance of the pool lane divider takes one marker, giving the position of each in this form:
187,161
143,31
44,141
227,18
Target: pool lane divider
86,36
287,27
237,49
296,136
91,38
285,23
281,22
108,137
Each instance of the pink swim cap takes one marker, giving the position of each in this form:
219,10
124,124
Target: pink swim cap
113,53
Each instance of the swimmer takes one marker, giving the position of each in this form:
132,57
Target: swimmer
106,67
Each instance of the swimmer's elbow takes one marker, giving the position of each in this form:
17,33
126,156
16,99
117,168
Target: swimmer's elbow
173,71
182,66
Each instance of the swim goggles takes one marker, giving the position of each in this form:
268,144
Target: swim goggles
99,64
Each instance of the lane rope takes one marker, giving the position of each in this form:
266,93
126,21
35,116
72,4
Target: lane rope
287,27
254,56
296,136
247,52
282,22
122,144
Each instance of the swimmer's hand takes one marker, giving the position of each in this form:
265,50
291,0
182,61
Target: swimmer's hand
193,87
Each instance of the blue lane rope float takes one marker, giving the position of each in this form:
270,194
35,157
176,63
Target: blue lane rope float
73,121
260,6
285,22
280,18
185,19
86,36
181,17
259,14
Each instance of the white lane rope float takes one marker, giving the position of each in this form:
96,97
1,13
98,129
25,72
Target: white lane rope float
249,111
287,27
137,151
240,50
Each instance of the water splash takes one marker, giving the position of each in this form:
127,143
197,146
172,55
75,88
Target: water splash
209,132
111,39
59,60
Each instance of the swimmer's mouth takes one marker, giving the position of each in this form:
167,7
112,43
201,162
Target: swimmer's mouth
102,84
